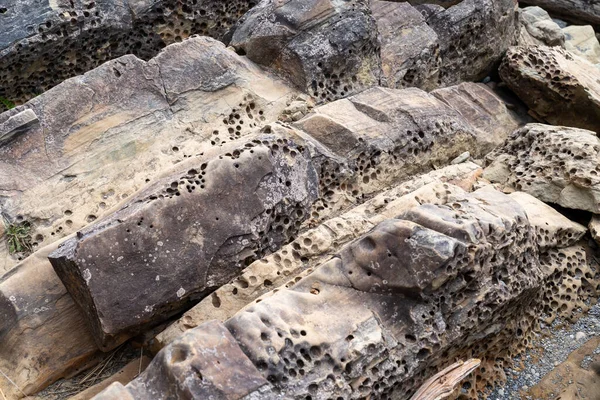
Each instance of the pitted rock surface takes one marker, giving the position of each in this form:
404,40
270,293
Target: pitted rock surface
42,43
187,234
554,164
402,281
102,136
313,247
560,88
326,48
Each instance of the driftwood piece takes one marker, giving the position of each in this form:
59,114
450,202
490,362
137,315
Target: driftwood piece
442,384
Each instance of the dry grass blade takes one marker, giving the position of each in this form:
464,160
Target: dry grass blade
2,393
442,384
14,384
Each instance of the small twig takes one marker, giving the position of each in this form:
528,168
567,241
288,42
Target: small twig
442,384
14,384
2,393
141,355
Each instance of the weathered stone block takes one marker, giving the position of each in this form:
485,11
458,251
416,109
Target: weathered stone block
104,135
554,164
43,334
326,48
187,234
558,87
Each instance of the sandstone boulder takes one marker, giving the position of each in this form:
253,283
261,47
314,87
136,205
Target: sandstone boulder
42,43
303,343
582,40
558,87
409,47
428,46
187,234
43,334
98,138
572,10
315,246
326,48
538,28
554,164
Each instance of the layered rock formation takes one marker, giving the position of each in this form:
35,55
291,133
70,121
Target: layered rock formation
558,87
45,42
401,280
318,202
574,10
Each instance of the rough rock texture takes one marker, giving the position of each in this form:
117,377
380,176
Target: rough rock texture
420,131
431,285
581,40
429,46
43,334
187,234
409,47
559,88
538,28
473,36
206,363
484,111
45,42
102,136
327,48
554,164
316,245
594,227
572,10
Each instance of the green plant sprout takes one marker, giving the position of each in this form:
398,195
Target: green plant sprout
18,237
7,103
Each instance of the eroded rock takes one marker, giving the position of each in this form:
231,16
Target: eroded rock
43,334
573,10
554,164
558,87
326,48
45,42
304,344
581,40
104,135
187,234
315,246
538,28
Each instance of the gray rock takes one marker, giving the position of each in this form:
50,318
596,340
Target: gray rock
186,235
571,10
326,48
538,28
42,43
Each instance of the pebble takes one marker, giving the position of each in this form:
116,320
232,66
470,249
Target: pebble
580,336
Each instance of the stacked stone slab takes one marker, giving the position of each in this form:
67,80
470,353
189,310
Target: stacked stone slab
96,139
433,283
559,87
42,43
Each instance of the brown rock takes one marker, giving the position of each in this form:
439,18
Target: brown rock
103,135
43,334
573,10
205,363
554,164
559,88
187,234
315,247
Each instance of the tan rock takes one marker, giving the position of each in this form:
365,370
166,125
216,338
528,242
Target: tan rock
553,229
594,227
538,28
104,135
581,40
552,163
317,245
43,334
560,88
